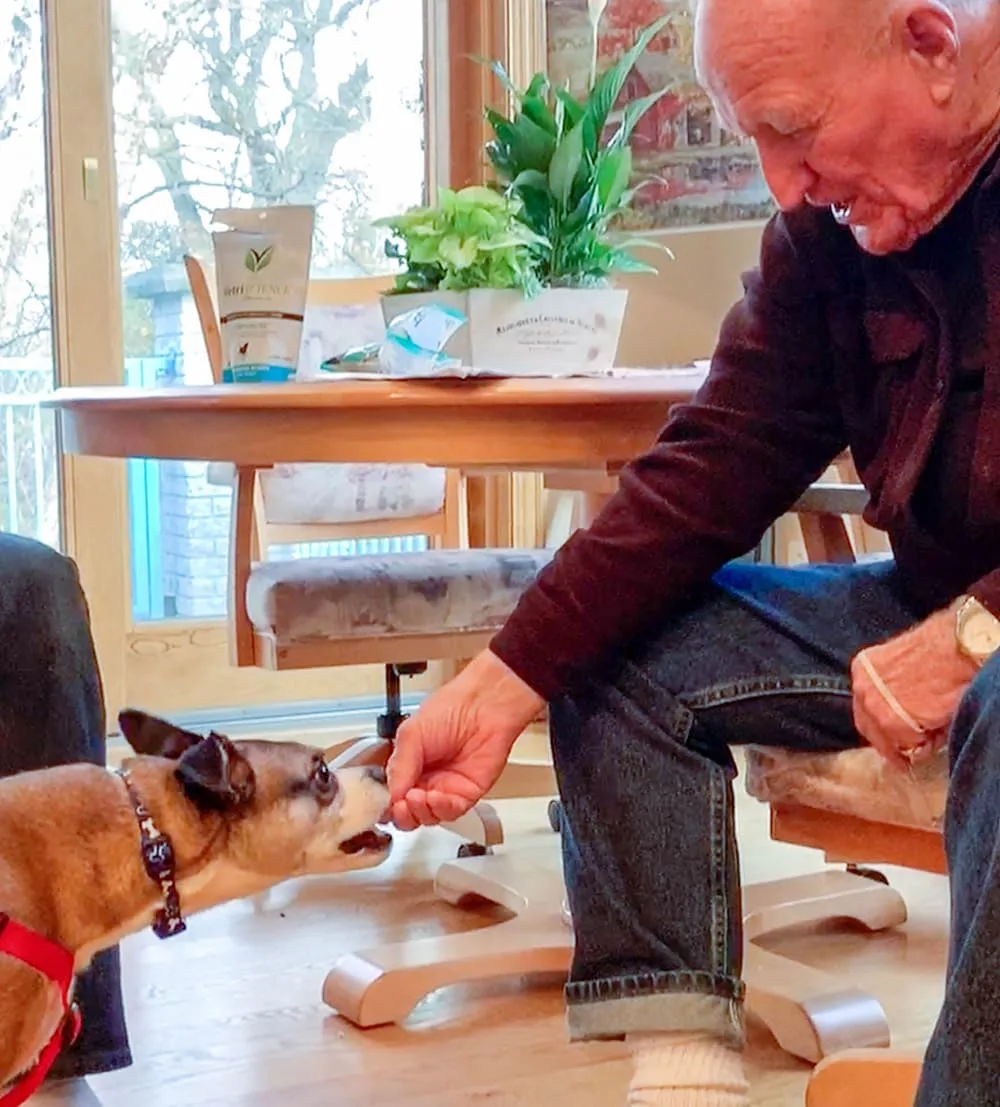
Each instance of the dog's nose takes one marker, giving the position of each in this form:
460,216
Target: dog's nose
376,773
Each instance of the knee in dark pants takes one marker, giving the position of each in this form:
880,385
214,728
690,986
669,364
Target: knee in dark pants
974,786
978,708
35,577
51,700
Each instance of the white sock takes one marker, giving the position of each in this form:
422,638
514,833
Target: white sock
684,1069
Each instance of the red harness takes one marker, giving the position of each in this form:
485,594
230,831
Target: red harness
56,964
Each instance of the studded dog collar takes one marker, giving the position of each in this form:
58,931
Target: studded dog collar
161,865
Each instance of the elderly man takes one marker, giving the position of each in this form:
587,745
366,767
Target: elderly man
51,713
873,321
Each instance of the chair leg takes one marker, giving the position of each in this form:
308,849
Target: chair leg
376,750
872,1077
813,1014
393,718
810,1013
383,984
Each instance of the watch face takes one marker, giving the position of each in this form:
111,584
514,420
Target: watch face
980,633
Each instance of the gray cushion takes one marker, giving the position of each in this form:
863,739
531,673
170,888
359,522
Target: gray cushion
855,782
378,595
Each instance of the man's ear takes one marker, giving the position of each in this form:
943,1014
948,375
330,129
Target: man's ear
931,38
216,775
155,737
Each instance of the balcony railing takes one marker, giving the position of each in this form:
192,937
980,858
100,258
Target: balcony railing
29,469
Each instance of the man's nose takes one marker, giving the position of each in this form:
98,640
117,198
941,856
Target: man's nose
788,178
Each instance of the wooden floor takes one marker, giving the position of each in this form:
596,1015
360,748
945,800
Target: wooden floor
229,1014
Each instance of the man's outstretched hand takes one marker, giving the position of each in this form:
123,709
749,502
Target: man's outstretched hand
452,751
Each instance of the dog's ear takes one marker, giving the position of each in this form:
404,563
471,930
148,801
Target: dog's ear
155,737
216,775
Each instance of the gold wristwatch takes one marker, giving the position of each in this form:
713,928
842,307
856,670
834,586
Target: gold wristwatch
977,630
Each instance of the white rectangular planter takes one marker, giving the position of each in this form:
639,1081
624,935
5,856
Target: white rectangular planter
558,332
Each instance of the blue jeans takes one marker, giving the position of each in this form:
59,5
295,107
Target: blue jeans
645,776
51,713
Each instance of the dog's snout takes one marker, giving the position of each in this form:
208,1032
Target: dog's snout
376,773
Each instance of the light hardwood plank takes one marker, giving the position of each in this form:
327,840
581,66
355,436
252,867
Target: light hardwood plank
230,1014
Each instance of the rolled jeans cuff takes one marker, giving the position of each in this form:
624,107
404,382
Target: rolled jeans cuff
74,1066
654,1002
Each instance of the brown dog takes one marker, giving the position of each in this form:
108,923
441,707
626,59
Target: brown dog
88,856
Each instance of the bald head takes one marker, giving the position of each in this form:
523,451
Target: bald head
821,28
829,29
876,107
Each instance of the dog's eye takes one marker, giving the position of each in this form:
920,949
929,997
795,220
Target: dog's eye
324,781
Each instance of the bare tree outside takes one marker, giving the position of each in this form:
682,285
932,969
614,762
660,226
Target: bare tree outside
262,102
28,461
217,103
239,103
24,292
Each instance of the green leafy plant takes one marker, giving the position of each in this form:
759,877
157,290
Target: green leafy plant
563,171
472,238
569,163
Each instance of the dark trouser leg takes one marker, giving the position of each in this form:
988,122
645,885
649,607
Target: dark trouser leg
962,1065
51,712
645,778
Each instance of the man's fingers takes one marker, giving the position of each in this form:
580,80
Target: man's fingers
402,817
416,801
879,732
447,807
413,811
422,808
406,763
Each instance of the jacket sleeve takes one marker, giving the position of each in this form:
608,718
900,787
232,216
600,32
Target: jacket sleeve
763,426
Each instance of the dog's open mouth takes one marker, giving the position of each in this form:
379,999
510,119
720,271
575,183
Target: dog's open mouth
368,841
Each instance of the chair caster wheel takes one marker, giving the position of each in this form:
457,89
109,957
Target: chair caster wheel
868,874
555,815
472,849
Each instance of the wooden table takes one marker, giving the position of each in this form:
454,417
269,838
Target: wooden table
529,424
568,426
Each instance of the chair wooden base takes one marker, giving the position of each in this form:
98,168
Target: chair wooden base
383,985
868,1077
809,1013
873,1077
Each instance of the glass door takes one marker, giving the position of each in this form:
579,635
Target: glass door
155,114
29,471
244,104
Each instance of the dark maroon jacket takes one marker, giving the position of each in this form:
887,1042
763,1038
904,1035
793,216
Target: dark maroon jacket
896,358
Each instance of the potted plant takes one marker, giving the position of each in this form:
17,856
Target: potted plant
472,238
530,257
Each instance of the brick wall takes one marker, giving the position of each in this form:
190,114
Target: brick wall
195,532
194,514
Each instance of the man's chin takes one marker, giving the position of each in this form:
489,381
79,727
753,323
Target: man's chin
885,237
